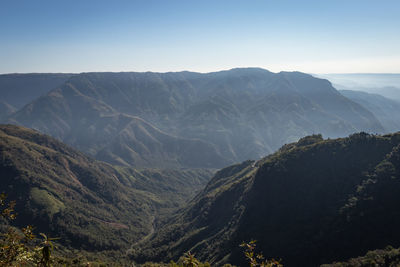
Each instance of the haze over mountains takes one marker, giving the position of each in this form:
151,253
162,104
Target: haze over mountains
386,110
385,84
18,90
190,119
138,134
157,138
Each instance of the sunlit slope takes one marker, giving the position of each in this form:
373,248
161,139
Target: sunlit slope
90,205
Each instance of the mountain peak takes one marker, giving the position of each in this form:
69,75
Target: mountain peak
192,119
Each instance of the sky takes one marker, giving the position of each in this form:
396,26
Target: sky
313,36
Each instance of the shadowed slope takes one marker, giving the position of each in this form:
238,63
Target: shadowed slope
312,202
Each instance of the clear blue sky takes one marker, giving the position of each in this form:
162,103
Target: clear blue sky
321,36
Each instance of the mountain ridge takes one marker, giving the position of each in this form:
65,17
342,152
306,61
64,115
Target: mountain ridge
218,108
385,109
18,89
312,202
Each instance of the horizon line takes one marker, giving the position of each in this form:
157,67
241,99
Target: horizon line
221,70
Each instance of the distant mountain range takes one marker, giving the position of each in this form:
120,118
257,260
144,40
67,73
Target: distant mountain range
6,110
145,145
190,119
386,110
385,84
367,80
312,202
18,90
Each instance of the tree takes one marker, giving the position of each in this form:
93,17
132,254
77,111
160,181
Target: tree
19,246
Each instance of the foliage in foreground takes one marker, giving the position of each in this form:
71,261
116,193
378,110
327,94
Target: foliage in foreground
253,258
20,246
389,257
257,259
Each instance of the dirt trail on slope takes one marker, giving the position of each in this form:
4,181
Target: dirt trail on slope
145,238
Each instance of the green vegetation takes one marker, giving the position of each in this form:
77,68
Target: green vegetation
46,202
389,257
311,202
17,247
93,207
257,259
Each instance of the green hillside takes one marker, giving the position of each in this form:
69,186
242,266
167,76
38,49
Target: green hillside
381,257
312,202
90,205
